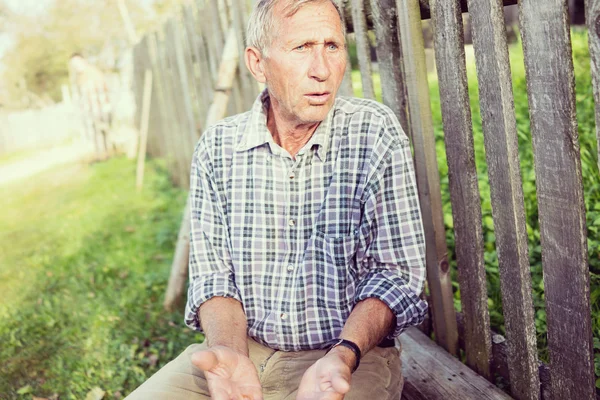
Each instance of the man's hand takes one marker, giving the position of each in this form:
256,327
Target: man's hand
230,374
328,378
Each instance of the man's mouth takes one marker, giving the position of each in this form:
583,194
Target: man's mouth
318,97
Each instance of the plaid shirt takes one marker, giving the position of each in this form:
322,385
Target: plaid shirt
300,241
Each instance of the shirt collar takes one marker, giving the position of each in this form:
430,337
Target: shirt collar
256,132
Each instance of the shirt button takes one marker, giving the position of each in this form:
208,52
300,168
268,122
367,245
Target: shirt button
290,268
291,222
283,315
292,176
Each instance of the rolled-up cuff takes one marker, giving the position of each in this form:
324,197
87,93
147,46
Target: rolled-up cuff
393,291
202,290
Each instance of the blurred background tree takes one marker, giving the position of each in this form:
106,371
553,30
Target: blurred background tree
35,66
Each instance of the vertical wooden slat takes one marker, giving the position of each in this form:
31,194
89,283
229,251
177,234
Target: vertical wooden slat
142,145
216,29
181,133
593,22
169,106
159,96
428,180
155,139
192,62
550,85
206,28
346,88
205,69
249,91
389,56
502,153
137,82
462,175
184,84
359,20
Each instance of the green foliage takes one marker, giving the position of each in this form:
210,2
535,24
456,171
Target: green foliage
85,260
43,44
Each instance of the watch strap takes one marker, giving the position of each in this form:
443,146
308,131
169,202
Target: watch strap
350,345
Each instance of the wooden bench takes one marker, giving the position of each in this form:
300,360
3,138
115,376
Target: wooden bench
431,373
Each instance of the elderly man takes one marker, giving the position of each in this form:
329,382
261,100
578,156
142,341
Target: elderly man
307,248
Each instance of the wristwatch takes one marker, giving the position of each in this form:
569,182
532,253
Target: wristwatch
349,344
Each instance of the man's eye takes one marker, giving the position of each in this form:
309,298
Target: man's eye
301,47
332,46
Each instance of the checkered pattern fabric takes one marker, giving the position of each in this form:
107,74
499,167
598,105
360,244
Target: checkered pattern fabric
300,241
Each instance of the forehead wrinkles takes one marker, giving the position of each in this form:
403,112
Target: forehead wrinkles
287,9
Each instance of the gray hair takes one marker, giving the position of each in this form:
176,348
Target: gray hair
260,33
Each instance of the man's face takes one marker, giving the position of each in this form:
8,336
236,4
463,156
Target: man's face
305,63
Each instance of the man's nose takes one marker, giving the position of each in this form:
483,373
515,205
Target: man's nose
320,68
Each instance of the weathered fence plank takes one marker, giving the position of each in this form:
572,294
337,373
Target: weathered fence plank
462,176
204,65
551,84
423,5
428,180
502,153
193,60
363,48
180,133
389,57
143,140
184,80
593,22
346,89
211,8
248,87
206,27
168,106
160,106
216,112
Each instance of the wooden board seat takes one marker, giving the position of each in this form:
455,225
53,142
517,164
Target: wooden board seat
430,373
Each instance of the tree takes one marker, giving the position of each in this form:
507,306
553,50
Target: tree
37,63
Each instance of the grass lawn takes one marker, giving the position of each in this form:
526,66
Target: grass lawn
84,261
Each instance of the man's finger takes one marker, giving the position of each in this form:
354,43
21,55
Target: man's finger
205,360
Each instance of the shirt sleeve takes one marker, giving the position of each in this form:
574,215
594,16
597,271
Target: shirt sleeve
210,267
393,264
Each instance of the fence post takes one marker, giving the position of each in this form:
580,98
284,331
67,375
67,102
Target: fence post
147,98
593,22
462,176
227,73
561,208
428,180
502,154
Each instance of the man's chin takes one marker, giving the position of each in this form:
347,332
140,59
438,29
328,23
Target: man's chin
317,113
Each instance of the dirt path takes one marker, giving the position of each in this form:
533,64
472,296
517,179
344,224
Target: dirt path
43,160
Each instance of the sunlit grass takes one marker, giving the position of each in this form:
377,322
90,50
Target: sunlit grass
84,262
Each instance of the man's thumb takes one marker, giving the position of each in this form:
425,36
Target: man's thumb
205,360
340,383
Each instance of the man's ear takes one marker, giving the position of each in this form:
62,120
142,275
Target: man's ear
255,63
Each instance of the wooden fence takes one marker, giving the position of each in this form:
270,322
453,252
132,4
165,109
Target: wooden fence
184,58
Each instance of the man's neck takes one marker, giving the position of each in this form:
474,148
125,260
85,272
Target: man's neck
287,134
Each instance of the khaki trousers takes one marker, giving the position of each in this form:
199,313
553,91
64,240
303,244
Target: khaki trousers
379,376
